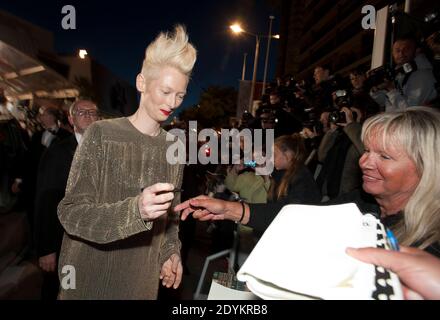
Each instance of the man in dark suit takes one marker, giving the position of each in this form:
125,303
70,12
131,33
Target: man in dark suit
26,167
53,173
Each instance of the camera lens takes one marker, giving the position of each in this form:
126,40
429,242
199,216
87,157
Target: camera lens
337,117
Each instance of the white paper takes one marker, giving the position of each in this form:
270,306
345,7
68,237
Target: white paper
303,252
219,292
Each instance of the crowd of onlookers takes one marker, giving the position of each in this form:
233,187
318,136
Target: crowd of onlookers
317,129
37,149
329,113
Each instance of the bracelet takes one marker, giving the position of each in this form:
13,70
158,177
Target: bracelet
242,212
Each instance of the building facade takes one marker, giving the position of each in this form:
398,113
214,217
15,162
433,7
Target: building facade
316,32
31,70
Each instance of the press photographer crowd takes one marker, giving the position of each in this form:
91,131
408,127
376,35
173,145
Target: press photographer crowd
369,137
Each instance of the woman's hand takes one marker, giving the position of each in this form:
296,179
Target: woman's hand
418,270
203,208
155,200
48,263
171,272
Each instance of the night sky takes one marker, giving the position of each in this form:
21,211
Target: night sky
116,34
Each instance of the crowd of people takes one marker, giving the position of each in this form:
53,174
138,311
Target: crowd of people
103,198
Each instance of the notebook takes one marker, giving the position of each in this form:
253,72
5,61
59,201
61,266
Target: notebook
302,256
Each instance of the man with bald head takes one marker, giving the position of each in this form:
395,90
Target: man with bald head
52,178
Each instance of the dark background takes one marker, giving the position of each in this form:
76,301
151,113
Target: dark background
116,34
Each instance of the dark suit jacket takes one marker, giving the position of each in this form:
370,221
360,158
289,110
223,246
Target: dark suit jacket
53,172
27,166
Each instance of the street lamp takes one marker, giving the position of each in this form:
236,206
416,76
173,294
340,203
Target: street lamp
243,73
237,29
267,52
82,53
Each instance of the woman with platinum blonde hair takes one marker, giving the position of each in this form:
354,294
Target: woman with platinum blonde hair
401,167
401,181
120,234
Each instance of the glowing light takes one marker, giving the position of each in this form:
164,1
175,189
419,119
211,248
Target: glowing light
236,28
82,53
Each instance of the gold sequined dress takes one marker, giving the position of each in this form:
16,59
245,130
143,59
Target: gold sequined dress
115,254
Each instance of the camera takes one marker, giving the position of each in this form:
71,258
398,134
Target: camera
340,116
337,117
268,114
314,126
432,17
376,77
432,23
300,86
406,68
246,120
343,99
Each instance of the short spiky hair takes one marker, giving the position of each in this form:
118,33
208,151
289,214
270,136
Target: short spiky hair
170,50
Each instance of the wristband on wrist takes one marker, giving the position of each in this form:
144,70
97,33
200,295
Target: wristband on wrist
242,212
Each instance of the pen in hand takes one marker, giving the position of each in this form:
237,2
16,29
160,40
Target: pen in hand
174,190
392,240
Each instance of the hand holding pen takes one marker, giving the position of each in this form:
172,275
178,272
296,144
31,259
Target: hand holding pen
174,190
155,200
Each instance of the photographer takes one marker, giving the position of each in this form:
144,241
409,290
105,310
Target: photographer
410,83
247,121
341,148
325,84
361,96
274,117
267,119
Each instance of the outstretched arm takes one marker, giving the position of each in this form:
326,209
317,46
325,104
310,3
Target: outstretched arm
205,208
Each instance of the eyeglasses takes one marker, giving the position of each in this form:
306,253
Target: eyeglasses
90,113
